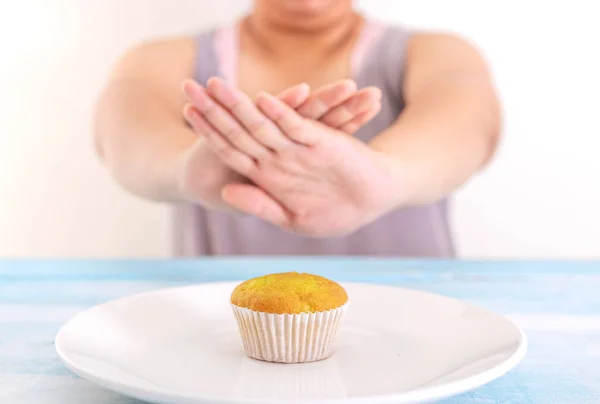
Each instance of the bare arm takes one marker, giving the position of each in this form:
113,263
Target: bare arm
451,123
139,129
143,139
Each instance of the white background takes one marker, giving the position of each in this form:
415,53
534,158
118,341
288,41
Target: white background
539,199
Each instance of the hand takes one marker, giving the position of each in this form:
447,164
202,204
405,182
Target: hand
308,177
338,105
203,174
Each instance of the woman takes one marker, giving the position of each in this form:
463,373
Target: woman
302,184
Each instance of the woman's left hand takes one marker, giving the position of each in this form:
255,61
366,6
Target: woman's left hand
307,177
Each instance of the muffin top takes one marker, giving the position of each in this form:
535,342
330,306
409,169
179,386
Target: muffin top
289,293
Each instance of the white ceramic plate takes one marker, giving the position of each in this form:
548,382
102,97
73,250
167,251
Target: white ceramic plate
181,346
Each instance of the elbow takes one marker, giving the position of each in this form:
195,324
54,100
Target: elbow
98,147
496,128
98,130
492,123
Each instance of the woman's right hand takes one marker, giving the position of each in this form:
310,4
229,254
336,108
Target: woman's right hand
202,175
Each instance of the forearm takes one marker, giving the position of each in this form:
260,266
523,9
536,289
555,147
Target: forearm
441,139
141,141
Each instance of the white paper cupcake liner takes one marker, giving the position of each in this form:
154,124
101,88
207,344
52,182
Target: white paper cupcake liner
289,338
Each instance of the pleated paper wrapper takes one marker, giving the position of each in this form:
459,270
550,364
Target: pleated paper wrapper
289,338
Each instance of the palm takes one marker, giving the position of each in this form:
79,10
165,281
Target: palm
205,174
327,189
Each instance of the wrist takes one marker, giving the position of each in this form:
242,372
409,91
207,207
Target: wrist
196,178
408,180
184,182
172,177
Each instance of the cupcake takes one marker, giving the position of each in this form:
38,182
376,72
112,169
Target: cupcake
289,317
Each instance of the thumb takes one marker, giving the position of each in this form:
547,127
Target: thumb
254,201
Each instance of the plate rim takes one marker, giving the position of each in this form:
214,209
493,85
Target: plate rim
420,395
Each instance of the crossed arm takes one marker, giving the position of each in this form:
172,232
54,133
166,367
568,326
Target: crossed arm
452,121
142,138
305,175
309,178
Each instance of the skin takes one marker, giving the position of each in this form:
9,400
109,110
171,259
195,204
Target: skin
287,164
142,137
309,178
203,175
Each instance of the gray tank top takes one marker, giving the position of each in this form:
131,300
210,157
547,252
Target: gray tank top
422,231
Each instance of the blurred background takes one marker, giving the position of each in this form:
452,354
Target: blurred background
540,198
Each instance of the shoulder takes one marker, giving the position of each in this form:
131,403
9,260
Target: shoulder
404,41
442,47
432,57
174,55
171,54
408,52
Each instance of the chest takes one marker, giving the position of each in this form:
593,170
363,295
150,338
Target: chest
252,67
362,62
255,73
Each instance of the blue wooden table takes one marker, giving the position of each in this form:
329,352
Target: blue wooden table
557,305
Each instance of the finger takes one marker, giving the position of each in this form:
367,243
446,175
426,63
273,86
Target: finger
291,123
223,122
197,121
253,200
232,157
361,119
295,96
362,101
326,98
262,129
194,119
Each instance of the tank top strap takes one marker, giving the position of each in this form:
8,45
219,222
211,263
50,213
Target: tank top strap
392,59
206,64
